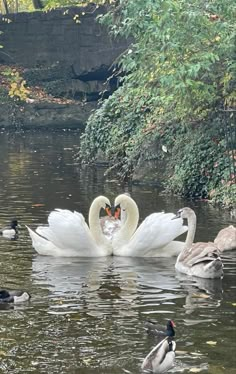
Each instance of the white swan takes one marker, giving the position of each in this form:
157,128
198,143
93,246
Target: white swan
198,259
68,234
154,236
226,239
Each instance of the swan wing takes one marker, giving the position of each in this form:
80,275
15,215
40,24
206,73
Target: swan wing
67,235
172,249
201,252
69,230
226,238
155,232
41,245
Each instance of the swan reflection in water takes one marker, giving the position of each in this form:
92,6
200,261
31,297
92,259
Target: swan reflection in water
200,292
114,288
135,284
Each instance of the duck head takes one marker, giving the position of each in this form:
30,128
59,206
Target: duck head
170,328
14,224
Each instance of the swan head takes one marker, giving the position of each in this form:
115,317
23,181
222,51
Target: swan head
184,213
102,202
123,202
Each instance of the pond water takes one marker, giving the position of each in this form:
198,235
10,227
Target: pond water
87,316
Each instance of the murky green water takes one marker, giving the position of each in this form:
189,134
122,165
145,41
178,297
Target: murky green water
86,316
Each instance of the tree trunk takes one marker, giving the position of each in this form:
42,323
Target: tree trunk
5,6
37,4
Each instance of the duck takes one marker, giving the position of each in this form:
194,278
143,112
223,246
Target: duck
7,296
11,231
153,329
68,235
161,358
226,239
198,259
153,238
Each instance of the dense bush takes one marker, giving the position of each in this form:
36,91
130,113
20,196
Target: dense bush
178,87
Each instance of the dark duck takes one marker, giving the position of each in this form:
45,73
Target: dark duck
13,296
159,331
11,231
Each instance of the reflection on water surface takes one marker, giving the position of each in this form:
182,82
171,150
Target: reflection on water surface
87,316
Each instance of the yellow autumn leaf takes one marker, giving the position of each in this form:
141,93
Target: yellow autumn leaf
195,370
234,304
211,342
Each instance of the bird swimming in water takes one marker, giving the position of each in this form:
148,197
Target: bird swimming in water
13,296
11,231
161,358
154,329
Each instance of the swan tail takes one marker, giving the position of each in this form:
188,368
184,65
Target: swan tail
40,244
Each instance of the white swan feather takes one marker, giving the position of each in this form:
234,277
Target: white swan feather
155,232
68,235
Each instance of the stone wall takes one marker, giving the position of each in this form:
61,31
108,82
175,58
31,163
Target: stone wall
68,58
42,39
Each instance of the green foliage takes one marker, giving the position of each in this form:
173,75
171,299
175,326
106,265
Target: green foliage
115,129
183,51
225,195
179,77
200,161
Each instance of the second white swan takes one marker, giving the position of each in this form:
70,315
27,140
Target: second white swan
153,238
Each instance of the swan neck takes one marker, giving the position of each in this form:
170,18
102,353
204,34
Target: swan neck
94,224
131,221
192,221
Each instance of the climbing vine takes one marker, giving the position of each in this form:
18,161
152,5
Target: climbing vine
177,87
